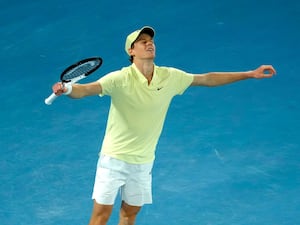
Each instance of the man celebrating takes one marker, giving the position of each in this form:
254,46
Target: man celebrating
140,97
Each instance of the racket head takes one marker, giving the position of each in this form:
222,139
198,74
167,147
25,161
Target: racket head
80,69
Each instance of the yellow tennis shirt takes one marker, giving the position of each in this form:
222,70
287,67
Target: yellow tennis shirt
138,110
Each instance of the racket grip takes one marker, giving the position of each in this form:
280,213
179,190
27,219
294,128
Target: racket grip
50,99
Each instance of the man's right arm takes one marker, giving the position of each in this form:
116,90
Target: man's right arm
78,90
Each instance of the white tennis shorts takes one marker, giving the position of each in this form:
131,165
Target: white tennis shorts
133,180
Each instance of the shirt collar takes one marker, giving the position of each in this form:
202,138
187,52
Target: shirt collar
141,77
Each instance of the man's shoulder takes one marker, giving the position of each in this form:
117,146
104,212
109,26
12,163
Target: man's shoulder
121,71
168,70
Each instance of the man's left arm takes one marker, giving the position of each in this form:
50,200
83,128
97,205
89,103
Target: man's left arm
221,78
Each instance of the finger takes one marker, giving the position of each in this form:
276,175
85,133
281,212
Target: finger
58,88
268,73
270,69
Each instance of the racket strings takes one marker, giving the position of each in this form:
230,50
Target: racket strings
81,69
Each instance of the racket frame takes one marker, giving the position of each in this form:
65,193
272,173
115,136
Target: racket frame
52,97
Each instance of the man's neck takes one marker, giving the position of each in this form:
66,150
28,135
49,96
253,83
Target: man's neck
146,68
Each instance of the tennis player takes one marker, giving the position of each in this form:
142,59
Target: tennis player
140,97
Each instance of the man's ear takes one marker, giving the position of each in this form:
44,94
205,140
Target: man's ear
130,51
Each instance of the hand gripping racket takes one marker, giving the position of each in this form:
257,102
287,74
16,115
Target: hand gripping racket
77,72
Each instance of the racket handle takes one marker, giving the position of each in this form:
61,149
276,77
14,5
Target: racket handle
50,99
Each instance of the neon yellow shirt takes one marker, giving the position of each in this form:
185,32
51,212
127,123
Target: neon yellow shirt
138,110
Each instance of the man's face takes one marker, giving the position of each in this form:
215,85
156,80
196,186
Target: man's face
143,47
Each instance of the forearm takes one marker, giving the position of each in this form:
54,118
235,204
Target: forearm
77,91
221,78
83,90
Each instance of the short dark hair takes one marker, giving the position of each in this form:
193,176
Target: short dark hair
131,59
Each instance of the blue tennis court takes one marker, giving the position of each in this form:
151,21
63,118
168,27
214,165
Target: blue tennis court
228,155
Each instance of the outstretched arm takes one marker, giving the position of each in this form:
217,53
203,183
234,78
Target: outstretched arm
221,78
77,90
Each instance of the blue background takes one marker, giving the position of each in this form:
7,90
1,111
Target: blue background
227,156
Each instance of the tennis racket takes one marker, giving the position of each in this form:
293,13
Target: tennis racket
76,72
